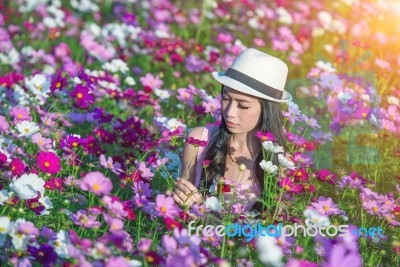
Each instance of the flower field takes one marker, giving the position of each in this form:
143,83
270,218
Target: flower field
97,98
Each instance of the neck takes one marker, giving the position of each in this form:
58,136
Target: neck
242,143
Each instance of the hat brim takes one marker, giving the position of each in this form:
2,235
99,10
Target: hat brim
238,86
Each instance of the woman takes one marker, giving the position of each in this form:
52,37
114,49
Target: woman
252,90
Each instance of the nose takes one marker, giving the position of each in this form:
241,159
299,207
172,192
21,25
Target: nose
230,111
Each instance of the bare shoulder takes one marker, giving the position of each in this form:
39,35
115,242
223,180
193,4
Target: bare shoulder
196,132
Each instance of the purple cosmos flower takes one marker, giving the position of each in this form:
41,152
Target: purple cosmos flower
58,83
83,219
165,206
45,254
96,183
142,188
48,233
195,64
82,95
341,257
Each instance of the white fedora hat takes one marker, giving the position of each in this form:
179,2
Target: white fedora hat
258,74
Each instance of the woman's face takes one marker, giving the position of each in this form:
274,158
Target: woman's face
242,112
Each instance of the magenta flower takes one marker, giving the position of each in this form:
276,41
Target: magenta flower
265,136
58,83
165,206
48,162
96,183
82,95
289,186
196,142
325,206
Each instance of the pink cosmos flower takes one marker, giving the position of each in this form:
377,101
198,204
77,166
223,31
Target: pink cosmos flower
48,162
96,183
114,223
109,164
43,143
151,81
165,206
19,114
325,206
145,172
4,125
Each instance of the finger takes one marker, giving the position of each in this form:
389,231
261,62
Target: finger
183,188
177,199
168,192
182,196
188,184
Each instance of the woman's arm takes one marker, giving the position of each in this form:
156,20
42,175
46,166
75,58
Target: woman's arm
189,157
185,193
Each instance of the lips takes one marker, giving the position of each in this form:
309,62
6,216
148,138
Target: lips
230,124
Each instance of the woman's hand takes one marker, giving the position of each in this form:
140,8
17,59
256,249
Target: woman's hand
186,194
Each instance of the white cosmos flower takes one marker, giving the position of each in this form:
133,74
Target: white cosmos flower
213,204
269,146
285,162
268,166
162,94
5,225
39,85
48,205
314,218
27,186
27,128
269,252
130,81
61,244
4,196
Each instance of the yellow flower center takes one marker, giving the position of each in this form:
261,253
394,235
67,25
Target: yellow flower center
26,130
364,114
40,254
96,187
326,208
40,142
375,209
150,259
79,95
287,187
299,173
47,164
39,87
75,144
163,209
19,116
58,85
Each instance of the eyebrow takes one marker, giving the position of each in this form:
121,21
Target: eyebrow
237,99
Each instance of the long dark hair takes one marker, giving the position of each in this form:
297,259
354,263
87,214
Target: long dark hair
217,150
